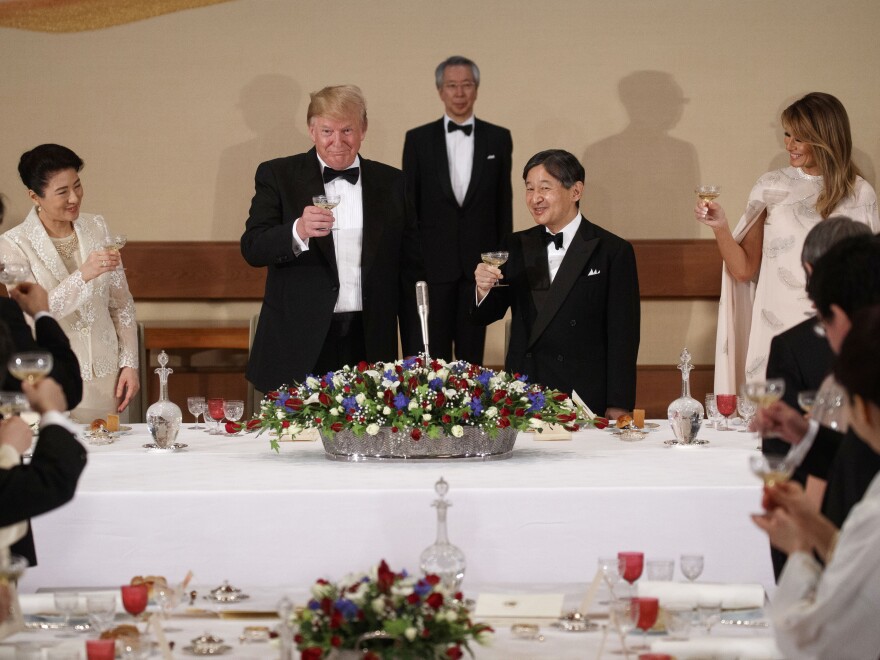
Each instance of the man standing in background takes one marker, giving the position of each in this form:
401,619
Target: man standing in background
457,171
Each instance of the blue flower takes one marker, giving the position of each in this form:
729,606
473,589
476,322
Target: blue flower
476,406
345,607
328,379
537,400
409,363
422,588
401,401
523,378
435,384
483,378
314,605
349,403
282,397
389,375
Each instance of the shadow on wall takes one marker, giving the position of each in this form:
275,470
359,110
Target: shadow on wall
270,106
640,182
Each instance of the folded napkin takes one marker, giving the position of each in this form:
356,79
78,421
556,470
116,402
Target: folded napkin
720,648
44,602
731,596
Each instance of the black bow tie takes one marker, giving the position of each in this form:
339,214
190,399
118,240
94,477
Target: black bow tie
350,175
556,239
451,127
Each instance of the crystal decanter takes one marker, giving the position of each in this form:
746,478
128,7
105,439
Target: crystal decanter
443,559
685,414
164,416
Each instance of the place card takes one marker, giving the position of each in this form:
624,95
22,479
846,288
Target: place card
551,432
522,606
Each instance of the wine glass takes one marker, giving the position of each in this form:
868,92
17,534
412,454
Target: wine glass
709,613
233,409
167,598
496,259
215,412
196,406
100,608
771,468
726,406
633,563
611,569
65,603
649,608
134,598
711,411
806,399
624,614
328,202
691,566
707,192
747,410
32,366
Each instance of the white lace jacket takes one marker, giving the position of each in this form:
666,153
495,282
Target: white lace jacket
98,316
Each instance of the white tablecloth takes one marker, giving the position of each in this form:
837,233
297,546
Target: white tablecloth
229,508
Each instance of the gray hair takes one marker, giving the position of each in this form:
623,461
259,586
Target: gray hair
828,232
456,60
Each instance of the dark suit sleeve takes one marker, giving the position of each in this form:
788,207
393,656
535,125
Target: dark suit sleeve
499,299
623,332
504,201
65,366
268,236
47,482
818,460
411,271
781,363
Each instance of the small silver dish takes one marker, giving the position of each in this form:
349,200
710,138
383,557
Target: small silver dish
207,644
676,443
226,593
220,650
574,622
177,446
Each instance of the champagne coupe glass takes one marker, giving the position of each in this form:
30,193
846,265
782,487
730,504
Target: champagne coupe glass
101,608
233,409
196,406
13,272
806,399
328,202
634,562
764,393
771,468
709,613
114,242
624,614
66,602
496,259
134,598
649,608
747,410
711,411
32,366
726,406
707,192
13,403
691,566
215,412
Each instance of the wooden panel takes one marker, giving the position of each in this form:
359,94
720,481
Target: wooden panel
215,270
659,385
196,336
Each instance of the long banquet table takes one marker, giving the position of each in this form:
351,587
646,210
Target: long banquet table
230,508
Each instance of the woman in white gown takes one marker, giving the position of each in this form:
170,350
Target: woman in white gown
67,254
762,289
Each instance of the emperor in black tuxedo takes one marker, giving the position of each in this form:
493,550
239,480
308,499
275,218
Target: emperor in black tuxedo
301,327
580,332
458,216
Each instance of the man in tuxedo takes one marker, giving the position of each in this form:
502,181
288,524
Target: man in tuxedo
332,297
458,175
574,292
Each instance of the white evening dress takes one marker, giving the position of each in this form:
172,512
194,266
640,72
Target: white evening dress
750,314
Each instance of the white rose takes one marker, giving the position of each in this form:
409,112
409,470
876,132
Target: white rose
320,591
360,398
413,404
311,399
536,423
426,418
386,410
279,414
378,605
457,431
335,411
485,637
450,393
313,383
338,398
410,633
492,412
372,429
451,616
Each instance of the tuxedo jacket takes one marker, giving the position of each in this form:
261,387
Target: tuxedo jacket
453,235
582,331
301,291
45,484
49,337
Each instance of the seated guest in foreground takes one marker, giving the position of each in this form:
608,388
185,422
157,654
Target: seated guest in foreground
574,292
832,613
332,297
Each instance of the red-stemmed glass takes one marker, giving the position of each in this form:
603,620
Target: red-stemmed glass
134,598
215,412
633,563
648,610
726,406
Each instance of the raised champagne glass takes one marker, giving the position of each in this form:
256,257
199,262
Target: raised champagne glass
13,272
32,366
707,192
772,469
328,202
764,392
496,259
806,399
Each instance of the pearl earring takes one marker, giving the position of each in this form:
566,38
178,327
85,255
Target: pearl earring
39,208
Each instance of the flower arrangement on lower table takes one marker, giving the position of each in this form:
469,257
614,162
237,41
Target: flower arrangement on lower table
415,408
383,615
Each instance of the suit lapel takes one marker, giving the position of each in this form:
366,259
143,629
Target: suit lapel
441,160
579,252
481,151
314,185
537,270
372,231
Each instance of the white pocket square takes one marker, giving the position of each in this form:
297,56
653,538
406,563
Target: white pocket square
490,157
593,271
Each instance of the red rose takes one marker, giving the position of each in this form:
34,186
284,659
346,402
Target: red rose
454,653
446,419
426,633
440,400
272,395
458,595
561,396
520,412
433,580
505,412
413,382
465,415
412,599
503,423
348,418
326,605
500,394
388,397
324,398
336,620
384,577
284,423
298,638
537,416
317,420
600,423
336,641
416,434
362,366
508,401
346,389
253,424
394,429
435,600
233,427
312,653
336,427
369,655
478,392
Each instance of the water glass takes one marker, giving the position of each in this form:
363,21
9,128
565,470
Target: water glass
709,613
65,603
660,570
747,409
678,620
233,409
691,566
215,412
196,406
712,415
101,608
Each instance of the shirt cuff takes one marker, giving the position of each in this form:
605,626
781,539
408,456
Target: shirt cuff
40,315
53,417
9,457
477,296
812,431
299,246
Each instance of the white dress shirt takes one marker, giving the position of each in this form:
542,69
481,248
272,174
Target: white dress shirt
833,613
554,256
347,241
460,153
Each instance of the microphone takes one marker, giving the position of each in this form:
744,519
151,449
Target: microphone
423,307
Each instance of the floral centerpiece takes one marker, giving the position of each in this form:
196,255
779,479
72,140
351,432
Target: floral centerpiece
415,396
388,615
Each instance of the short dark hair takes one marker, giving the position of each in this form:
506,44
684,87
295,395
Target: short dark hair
560,164
858,364
848,275
456,60
828,232
36,167
2,208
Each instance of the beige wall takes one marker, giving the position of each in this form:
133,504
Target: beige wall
173,114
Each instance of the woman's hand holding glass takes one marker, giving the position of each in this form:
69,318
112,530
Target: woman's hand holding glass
99,262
